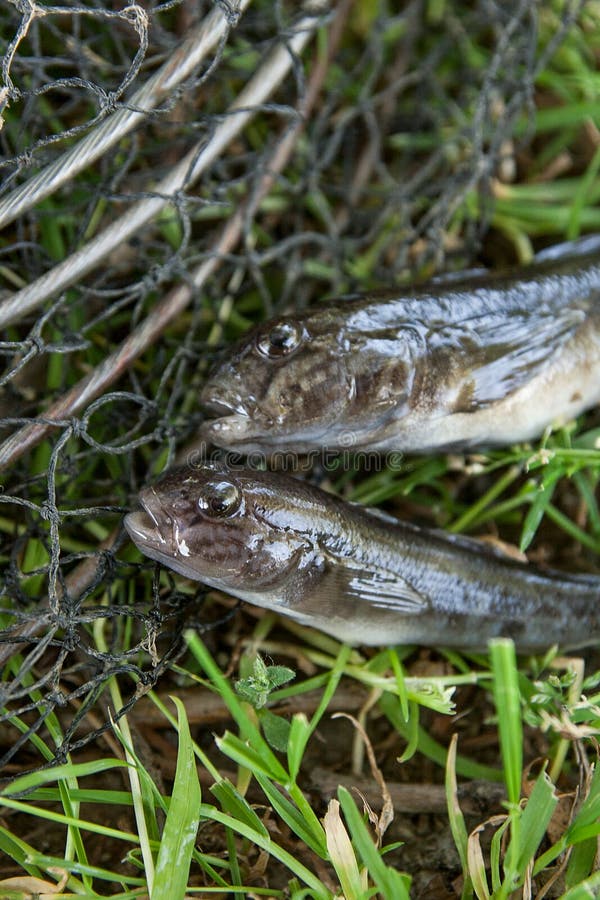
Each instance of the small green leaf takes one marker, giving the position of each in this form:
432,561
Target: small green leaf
276,730
279,675
250,694
255,689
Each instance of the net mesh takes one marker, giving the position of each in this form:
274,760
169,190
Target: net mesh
119,180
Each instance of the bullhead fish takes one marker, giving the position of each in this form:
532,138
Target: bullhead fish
471,360
280,543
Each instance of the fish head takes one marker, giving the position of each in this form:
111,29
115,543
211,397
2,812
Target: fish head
220,527
286,384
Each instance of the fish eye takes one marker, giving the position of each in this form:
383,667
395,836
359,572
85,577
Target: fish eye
280,340
219,499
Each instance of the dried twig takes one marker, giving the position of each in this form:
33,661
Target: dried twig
260,86
183,175
477,798
83,576
180,64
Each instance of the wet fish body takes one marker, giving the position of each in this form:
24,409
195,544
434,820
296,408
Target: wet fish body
283,544
471,361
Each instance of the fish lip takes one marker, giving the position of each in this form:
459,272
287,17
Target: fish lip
239,433
220,407
143,524
236,428
142,529
222,400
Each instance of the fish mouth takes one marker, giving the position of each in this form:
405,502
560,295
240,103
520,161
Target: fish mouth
232,430
222,400
238,422
143,524
221,407
243,426
239,433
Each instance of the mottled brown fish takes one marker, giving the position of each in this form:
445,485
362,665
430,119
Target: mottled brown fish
283,544
477,360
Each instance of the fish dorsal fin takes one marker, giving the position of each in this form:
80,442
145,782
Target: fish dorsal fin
380,514
453,278
583,246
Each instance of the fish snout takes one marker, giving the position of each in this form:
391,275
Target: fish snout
146,526
239,418
220,396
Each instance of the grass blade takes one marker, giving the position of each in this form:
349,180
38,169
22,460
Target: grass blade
309,831
69,770
183,818
587,890
389,882
300,732
341,854
538,507
237,806
455,816
508,706
536,816
476,866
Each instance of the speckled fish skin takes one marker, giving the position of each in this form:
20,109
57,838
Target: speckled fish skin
283,544
474,361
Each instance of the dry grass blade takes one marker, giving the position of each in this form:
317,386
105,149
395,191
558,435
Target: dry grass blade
113,128
183,175
83,576
386,816
264,81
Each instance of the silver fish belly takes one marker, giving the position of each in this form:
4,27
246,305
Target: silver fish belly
475,360
280,543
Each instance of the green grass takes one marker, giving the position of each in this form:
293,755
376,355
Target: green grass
163,847
238,813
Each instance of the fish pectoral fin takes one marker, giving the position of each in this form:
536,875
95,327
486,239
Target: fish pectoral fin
382,589
510,352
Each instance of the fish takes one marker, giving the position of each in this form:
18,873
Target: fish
468,360
363,577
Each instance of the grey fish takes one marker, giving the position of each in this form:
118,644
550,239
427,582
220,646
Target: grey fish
283,544
464,361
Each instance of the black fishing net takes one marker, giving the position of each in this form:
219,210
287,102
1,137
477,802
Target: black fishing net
170,173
